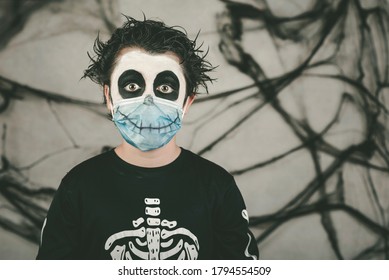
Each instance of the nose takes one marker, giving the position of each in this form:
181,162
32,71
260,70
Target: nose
148,100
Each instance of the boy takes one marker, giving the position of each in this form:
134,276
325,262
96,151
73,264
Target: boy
147,198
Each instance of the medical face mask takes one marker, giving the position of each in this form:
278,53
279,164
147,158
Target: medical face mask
147,123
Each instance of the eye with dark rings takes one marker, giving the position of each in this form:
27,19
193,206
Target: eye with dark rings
132,87
166,89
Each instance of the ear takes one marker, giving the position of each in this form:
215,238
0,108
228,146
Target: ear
189,100
108,101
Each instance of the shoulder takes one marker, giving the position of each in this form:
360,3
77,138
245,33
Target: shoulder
208,169
203,163
91,167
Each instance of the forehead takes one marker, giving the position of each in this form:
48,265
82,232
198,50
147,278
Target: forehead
146,63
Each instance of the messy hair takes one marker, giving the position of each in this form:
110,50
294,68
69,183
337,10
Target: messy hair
153,37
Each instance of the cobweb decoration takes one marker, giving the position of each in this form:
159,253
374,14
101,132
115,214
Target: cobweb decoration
335,42
329,93
23,202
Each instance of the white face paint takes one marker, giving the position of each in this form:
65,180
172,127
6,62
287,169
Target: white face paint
139,73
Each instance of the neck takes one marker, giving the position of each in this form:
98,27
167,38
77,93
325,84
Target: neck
154,158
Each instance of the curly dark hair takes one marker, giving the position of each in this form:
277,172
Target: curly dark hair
153,37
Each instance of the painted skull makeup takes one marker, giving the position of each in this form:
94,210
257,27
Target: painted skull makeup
148,94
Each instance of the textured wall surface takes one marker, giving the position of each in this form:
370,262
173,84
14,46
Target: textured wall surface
299,114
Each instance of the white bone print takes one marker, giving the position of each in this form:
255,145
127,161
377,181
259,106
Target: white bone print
157,240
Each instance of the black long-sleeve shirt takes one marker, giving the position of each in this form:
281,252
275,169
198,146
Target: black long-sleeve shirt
106,208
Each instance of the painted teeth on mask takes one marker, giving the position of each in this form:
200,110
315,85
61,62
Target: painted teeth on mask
135,126
171,127
160,127
136,129
147,132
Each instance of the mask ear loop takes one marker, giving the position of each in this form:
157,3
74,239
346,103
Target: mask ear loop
186,106
184,111
111,102
112,110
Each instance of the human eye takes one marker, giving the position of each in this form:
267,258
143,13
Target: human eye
132,87
166,89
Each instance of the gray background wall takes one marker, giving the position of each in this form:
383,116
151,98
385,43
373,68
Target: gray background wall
299,114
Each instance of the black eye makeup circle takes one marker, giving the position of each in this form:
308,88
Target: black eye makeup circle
131,84
166,85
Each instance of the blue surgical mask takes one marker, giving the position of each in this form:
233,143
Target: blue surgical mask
147,123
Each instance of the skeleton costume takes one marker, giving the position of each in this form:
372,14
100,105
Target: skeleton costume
107,208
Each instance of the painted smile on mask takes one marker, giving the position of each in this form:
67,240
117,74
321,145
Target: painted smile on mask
147,124
137,119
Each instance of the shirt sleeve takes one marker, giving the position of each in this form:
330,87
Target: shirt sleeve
60,229
233,238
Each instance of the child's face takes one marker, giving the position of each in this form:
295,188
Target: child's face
139,73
